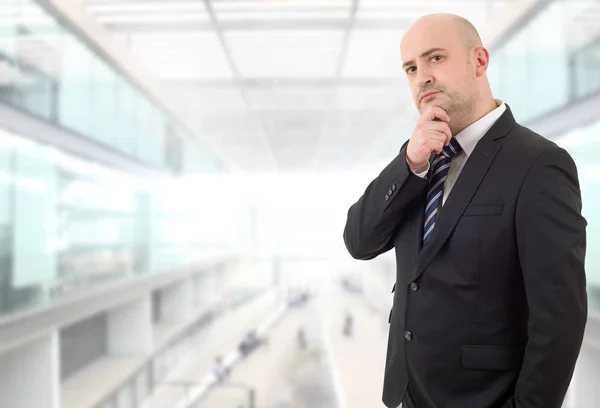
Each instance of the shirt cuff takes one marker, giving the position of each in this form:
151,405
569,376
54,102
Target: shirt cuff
422,174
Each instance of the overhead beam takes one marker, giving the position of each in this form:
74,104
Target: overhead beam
259,24
346,41
137,7
236,73
338,74
293,82
215,25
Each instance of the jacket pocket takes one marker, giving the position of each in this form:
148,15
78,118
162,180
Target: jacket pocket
478,357
495,208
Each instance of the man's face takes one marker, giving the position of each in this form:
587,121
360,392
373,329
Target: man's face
436,64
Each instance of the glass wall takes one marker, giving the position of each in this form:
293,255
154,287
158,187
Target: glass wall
49,71
68,224
583,144
552,60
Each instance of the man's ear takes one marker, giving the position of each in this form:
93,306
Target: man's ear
482,60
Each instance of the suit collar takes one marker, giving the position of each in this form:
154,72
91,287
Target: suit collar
470,136
502,126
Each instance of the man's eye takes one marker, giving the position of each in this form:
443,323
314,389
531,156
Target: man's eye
436,57
410,70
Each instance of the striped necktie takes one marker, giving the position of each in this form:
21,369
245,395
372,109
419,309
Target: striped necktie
438,174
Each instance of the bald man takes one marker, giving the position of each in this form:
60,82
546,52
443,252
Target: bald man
485,219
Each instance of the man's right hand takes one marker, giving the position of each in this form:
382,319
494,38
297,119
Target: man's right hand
429,136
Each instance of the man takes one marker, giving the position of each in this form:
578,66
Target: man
485,218
220,371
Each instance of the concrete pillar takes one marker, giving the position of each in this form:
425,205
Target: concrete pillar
215,283
203,291
30,375
176,302
130,328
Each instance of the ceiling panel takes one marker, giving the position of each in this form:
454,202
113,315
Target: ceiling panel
282,15
284,54
181,56
138,7
346,136
285,15
397,130
582,21
159,18
393,96
374,54
281,5
298,98
403,11
293,137
202,100
242,135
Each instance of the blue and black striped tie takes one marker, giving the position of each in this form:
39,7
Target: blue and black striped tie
437,177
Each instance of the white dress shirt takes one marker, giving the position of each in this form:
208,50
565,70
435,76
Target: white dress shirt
468,139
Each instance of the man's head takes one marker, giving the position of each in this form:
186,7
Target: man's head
443,53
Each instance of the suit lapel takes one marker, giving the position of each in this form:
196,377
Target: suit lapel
465,187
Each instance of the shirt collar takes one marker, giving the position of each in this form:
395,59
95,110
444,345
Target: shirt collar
470,136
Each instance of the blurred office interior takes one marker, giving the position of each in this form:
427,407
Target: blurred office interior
175,177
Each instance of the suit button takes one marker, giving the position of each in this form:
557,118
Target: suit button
387,197
413,286
393,187
390,192
408,335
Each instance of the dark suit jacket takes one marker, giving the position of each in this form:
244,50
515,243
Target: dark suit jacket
491,312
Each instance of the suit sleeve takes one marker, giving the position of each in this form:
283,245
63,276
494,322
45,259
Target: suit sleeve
372,220
551,242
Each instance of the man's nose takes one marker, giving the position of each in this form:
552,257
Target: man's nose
423,78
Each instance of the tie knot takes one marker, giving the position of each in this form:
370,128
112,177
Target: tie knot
452,149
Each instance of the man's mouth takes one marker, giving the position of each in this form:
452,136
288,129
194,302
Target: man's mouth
428,94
